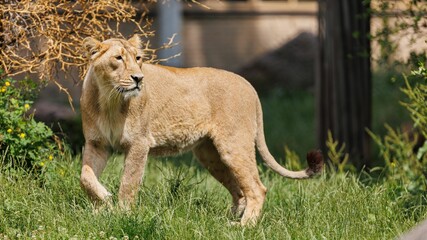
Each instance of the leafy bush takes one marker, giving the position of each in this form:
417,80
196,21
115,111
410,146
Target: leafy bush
416,90
406,161
402,166
24,142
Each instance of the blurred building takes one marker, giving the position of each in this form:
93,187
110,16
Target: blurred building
231,34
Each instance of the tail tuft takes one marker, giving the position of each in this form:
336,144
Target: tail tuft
315,162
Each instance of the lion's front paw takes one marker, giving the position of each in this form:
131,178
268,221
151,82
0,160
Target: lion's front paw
108,200
105,205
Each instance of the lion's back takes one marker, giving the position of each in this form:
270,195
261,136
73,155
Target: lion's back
205,100
201,82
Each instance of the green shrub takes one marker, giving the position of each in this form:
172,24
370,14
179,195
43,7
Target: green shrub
24,142
338,158
405,162
416,90
401,164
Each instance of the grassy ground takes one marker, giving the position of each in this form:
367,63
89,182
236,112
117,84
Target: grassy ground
179,200
186,203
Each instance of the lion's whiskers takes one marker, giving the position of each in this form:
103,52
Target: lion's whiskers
114,93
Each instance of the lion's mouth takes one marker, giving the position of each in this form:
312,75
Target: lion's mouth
127,90
130,92
133,89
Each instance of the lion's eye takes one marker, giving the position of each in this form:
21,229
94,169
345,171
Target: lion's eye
138,58
119,58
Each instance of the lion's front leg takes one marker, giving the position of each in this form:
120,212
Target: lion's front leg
94,161
136,158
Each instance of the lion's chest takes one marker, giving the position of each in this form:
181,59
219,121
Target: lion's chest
112,129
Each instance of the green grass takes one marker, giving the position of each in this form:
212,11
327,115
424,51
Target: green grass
180,200
187,203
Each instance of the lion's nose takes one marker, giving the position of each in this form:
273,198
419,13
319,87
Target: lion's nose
137,77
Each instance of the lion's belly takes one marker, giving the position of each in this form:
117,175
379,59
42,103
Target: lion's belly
175,141
168,150
173,149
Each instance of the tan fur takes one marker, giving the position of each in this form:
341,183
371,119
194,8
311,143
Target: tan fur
214,113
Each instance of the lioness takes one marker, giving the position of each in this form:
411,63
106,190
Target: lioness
144,109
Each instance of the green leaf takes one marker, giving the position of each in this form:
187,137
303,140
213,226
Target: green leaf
422,150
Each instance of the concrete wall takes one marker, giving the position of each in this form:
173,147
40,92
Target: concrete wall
407,41
230,42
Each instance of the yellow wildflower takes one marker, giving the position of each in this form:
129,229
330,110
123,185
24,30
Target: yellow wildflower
9,130
27,106
7,84
22,135
41,164
3,89
50,157
393,164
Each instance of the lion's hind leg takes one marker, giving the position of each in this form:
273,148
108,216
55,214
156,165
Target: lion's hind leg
241,164
210,159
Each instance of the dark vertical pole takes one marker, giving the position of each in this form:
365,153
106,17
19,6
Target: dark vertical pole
344,76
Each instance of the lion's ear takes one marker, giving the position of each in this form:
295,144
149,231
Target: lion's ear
91,45
135,41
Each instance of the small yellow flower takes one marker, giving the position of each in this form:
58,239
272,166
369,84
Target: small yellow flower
27,106
41,164
7,84
393,164
9,130
50,157
22,135
3,89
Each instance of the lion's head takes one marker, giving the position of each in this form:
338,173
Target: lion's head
116,63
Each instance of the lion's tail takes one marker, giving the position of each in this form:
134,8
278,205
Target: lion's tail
314,157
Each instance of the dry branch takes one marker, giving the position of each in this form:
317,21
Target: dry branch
45,36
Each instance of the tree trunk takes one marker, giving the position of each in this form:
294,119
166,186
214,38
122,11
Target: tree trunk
344,76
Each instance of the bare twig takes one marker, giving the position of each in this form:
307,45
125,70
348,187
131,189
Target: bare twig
45,36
